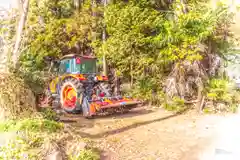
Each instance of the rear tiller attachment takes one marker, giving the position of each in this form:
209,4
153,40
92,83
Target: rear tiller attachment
93,107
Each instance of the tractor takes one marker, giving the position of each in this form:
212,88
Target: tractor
77,88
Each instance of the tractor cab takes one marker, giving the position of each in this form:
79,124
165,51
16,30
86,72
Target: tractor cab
75,64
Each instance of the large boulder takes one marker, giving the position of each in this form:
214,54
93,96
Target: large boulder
16,98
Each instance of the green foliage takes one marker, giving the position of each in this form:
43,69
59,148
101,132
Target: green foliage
33,135
146,38
55,28
144,41
177,104
49,114
37,137
33,125
129,44
22,147
85,155
148,90
221,91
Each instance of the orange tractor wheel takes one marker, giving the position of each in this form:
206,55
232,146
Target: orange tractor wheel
69,95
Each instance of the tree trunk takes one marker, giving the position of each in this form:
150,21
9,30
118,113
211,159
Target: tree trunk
131,73
77,4
16,52
200,96
104,38
184,7
93,7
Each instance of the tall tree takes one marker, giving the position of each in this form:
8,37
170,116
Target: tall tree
104,39
4,15
77,4
16,52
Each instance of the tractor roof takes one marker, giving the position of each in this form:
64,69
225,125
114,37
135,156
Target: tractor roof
76,55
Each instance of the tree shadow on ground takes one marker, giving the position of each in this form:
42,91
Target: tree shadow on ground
79,121
132,126
127,114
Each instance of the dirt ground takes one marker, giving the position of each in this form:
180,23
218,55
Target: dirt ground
149,134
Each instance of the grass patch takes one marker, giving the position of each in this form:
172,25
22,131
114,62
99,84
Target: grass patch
33,125
177,104
221,96
37,138
49,114
87,154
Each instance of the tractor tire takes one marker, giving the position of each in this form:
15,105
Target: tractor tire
73,88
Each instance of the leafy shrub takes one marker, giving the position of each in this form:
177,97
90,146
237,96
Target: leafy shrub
148,89
36,138
177,104
22,147
85,155
33,125
49,114
218,90
221,92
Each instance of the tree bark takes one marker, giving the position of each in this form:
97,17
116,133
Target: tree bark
104,38
77,4
16,53
200,97
131,73
184,7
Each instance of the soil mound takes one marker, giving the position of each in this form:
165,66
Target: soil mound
16,98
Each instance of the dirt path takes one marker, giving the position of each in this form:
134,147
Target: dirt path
150,134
